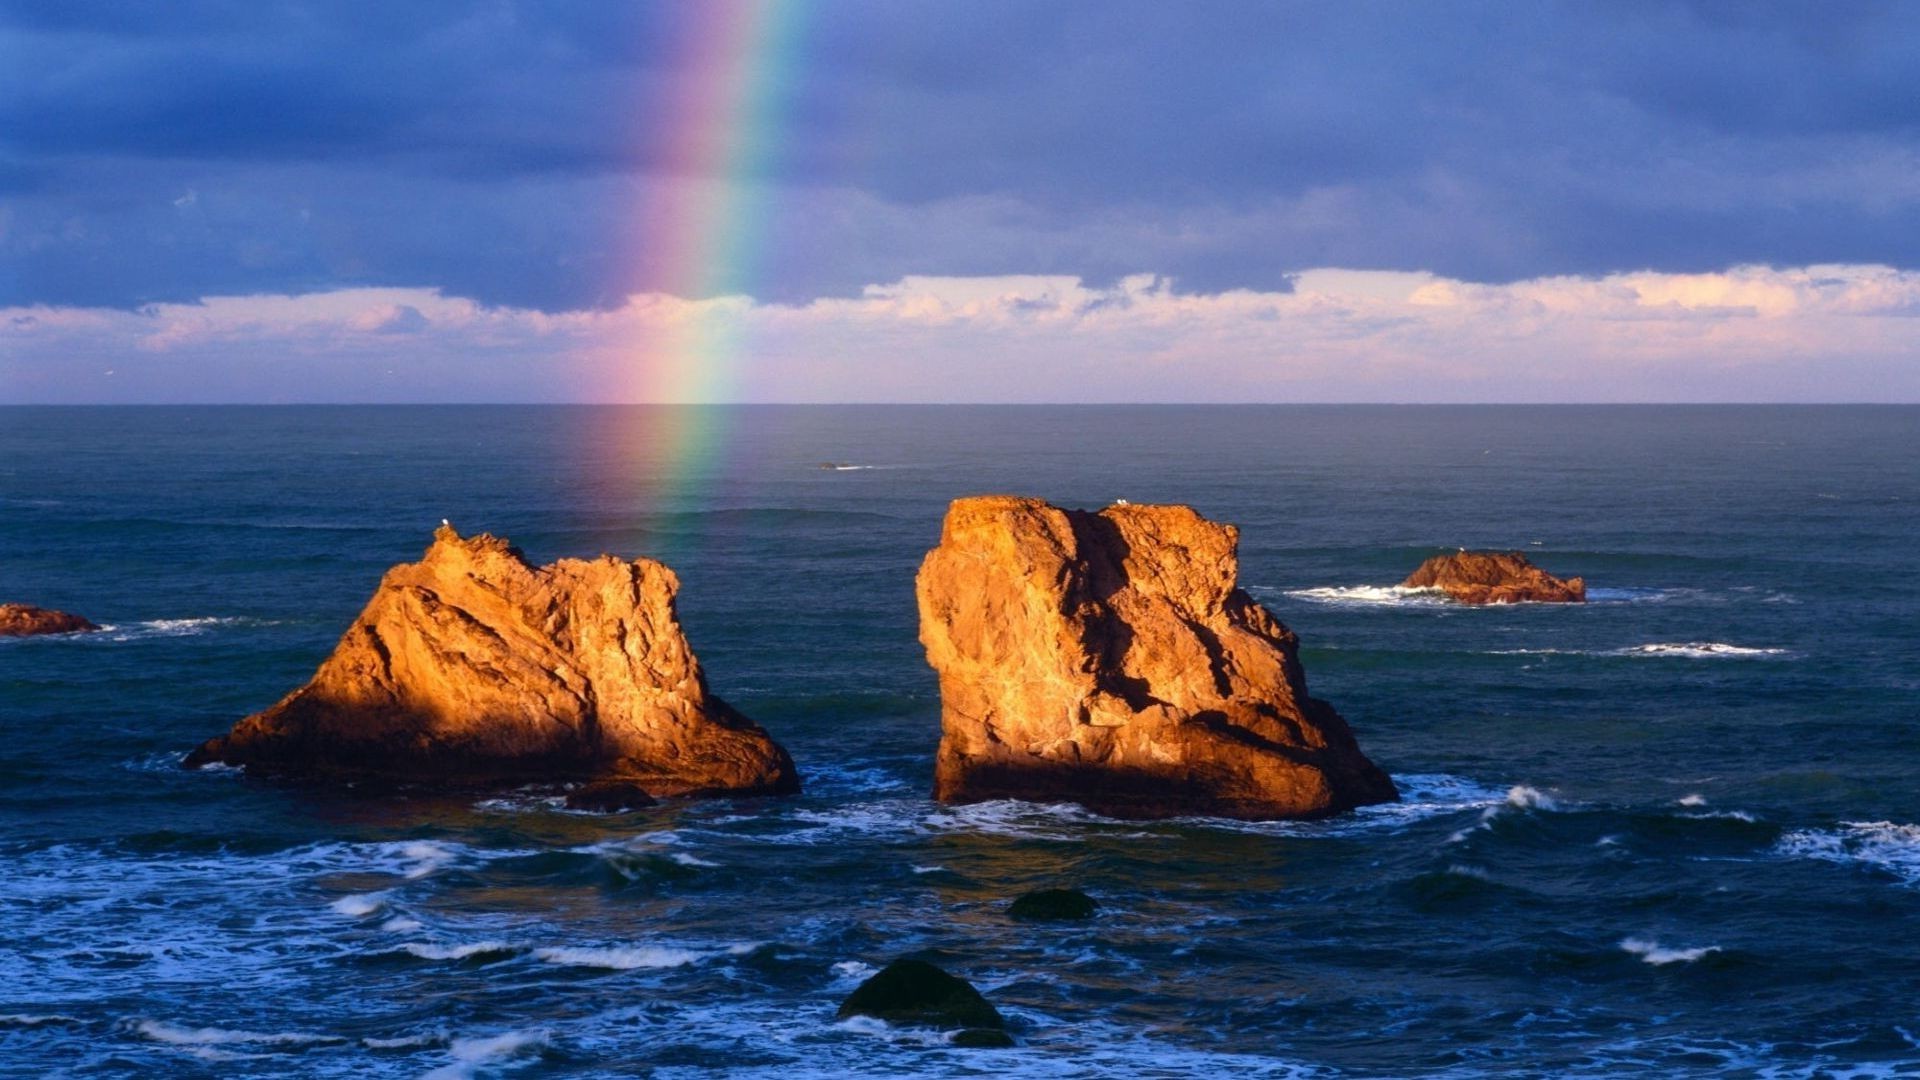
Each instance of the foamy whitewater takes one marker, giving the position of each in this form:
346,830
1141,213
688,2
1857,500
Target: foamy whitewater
1673,831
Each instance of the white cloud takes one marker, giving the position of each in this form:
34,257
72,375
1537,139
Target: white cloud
1747,333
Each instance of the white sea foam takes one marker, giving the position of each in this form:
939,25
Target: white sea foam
400,924
685,859
29,1020
1699,650
1370,595
470,1054
927,869
1692,800
359,905
853,969
619,958
161,628
406,1042
431,951
1657,954
1885,846
1525,797
175,1035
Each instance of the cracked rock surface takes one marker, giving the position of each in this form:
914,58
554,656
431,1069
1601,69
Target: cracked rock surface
472,667
1110,659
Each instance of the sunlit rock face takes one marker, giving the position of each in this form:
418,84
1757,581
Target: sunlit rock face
1109,659
1492,577
25,620
473,667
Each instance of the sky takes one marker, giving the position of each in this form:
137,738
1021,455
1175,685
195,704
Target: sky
770,200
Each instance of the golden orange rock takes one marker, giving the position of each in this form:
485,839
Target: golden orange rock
473,667
1491,577
1109,659
25,620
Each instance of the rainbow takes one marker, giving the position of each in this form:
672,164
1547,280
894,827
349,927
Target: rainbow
715,137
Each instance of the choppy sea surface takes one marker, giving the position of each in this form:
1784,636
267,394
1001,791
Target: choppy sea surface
1675,830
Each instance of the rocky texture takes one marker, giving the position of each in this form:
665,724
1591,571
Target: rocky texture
25,620
1108,659
916,992
1053,905
471,667
1492,577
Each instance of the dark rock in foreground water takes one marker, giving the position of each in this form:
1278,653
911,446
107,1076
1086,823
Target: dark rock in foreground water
25,620
1110,659
472,667
914,992
1053,905
1492,577
609,797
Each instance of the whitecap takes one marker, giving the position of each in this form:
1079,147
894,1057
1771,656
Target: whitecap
174,1035
624,958
400,924
406,1042
1692,800
29,1020
359,905
430,951
853,969
1657,954
1474,872
1699,650
1370,595
685,859
1882,845
926,869
1525,797
469,1054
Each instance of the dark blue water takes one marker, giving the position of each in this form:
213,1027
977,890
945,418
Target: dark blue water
1676,829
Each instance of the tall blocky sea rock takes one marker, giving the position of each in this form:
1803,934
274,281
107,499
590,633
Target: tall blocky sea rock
1109,659
1493,577
472,667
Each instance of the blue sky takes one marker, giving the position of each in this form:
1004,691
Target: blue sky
156,157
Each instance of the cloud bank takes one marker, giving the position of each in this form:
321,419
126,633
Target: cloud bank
1812,333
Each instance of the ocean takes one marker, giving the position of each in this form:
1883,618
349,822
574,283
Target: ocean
1674,830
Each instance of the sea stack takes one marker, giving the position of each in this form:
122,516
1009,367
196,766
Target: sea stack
1493,577
25,620
1110,659
473,668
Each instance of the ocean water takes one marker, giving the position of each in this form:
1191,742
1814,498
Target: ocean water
1675,830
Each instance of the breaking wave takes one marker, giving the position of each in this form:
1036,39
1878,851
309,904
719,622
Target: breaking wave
1881,845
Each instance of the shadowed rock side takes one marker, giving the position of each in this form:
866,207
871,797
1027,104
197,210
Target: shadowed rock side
471,667
1108,659
1491,577
25,620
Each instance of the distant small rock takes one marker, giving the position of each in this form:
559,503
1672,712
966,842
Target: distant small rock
915,992
1492,577
982,1039
25,620
1053,905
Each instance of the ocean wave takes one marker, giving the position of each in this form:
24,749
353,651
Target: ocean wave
1366,595
1654,953
1691,650
472,1053
431,951
117,633
1700,650
33,1020
162,1032
1882,845
620,958
359,905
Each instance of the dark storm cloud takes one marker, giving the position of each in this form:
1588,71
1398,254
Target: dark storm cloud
498,150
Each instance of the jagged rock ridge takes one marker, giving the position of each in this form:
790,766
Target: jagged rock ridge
1493,577
473,667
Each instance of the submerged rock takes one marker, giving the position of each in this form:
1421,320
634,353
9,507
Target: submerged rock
918,993
25,620
1492,577
1053,905
472,667
1109,659
609,797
